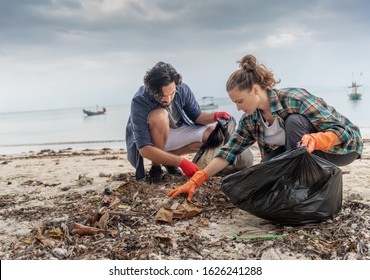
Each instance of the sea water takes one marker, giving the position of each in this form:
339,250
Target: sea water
70,128
62,129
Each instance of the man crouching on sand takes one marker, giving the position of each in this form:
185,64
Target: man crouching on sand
166,122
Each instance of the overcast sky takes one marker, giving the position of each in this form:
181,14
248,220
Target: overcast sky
80,53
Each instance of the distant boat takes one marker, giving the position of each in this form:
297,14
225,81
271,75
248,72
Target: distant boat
208,103
94,113
355,95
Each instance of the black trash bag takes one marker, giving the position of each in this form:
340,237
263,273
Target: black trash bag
294,188
218,137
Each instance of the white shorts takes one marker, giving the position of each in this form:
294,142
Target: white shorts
184,135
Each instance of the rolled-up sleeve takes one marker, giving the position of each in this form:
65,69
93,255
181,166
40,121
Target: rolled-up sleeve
240,140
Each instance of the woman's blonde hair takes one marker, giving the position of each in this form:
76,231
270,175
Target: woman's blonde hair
249,74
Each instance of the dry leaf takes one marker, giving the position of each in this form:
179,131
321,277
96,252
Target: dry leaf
85,230
103,221
163,238
93,219
189,232
202,222
47,242
111,201
164,215
38,232
125,207
113,232
185,210
55,233
122,189
28,182
94,198
175,205
116,201
28,240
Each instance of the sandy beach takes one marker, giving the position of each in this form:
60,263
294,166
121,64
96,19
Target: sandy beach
87,205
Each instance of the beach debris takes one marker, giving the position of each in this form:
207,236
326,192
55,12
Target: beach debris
202,222
55,233
51,184
264,236
95,198
118,220
120,177
108,191
125,207
122,188
59,253
83,180
45,237
163,238
103,221
181,211
80,229
111,201
32,183
102,174
38,183
164,215
46,151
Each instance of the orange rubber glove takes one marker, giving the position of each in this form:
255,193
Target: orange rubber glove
319,141
223,115
189,187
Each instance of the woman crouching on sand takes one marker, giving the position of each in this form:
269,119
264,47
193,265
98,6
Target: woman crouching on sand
278,119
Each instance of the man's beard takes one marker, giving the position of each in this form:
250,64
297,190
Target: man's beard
165,105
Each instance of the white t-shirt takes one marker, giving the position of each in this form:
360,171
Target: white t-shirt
274,133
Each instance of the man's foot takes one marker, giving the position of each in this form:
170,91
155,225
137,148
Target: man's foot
155,174
173,170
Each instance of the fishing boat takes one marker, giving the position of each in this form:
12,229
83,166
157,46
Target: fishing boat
208,103
355,95
94,113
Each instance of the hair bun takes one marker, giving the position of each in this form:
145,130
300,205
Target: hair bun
248,63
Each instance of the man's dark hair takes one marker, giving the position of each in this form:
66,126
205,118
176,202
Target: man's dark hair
162,74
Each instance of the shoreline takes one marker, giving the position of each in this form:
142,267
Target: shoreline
24,149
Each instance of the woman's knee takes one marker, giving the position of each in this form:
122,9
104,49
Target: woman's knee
296,126
298,122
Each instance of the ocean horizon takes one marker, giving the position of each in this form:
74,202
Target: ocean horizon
70,128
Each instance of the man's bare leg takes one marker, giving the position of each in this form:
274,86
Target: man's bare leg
159,128
188,149
193,147
158,123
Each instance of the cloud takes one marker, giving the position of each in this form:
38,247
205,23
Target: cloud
76,47
286,38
